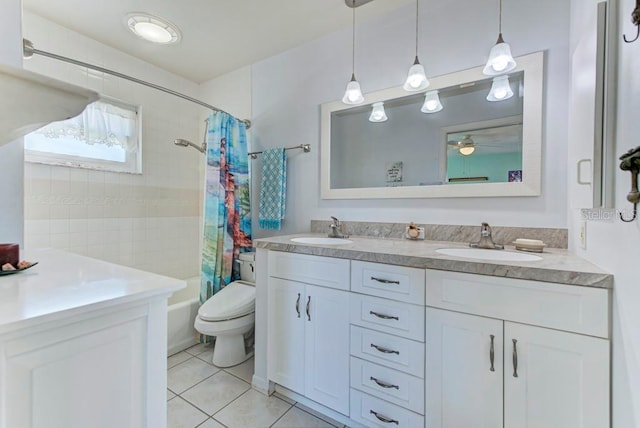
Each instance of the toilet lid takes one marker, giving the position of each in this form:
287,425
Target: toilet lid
234,300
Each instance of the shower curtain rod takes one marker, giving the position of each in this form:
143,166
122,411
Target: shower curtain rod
29,50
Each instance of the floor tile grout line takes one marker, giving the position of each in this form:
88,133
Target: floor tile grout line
207,413
198,383
282,415
316,416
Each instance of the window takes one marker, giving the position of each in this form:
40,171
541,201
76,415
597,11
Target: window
105,136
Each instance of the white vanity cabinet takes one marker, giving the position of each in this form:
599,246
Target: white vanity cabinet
308,324
484,359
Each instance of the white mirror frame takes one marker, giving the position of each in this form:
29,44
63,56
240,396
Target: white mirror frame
533,67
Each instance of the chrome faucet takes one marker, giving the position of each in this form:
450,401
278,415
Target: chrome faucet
335,229
486,241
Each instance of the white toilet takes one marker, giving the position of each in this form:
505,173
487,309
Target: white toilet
229,315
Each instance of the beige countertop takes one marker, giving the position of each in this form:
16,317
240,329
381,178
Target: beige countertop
559,266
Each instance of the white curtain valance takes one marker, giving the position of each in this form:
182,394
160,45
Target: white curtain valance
99,123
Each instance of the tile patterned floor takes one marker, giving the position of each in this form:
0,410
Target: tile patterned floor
204,396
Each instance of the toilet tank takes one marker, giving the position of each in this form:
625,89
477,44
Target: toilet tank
247,263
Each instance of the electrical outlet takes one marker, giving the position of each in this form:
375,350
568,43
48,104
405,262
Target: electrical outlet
582,235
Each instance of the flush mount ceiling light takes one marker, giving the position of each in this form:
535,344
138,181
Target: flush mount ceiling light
353,93
152,28
377,113
500,89
432,102
416,78
500,59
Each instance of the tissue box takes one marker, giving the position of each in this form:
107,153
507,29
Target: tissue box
9,253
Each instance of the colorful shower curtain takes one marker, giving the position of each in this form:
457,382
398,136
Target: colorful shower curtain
227,210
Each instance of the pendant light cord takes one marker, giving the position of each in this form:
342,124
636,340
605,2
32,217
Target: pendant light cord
417,15
500,19
353,40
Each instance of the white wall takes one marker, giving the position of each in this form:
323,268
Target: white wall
455,35
613,245
11,155
149,221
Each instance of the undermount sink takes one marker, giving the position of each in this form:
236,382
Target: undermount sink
484,254
321,240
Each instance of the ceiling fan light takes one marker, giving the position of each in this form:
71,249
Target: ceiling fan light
416,78
432,103
500,59
466,151
500,89
353,93
377,113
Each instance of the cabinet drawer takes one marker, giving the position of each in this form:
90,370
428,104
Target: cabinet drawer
364,409
392,282
390,351
401,319
558,306
317,270
391,385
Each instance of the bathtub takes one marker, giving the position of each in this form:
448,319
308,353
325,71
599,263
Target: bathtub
181,313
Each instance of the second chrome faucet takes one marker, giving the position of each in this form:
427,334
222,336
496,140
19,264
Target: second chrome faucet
486,240
335,229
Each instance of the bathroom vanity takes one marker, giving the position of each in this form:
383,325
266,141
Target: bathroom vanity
388,332
83,344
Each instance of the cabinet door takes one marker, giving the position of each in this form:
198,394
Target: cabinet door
285,348
562,379
463,387
327,347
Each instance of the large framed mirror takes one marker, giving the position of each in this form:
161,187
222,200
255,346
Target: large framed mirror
458,144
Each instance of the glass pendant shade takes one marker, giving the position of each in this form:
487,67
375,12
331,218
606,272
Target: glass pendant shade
416,78
500,89
377,113
466,151
432,103
500,59
353,94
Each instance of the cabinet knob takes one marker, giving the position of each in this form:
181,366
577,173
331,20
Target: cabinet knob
308,314
298,305
384,281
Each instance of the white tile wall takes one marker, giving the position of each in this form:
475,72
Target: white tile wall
150,221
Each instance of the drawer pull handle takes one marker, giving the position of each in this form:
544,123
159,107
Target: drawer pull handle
298,305
384,281
384,419
308,314
492,354
384,317
384,350
383,384
515,358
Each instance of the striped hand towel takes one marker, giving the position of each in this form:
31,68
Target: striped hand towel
273,189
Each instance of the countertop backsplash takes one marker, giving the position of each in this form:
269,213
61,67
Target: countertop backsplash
553,238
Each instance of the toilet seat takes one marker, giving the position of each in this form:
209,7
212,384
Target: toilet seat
235,300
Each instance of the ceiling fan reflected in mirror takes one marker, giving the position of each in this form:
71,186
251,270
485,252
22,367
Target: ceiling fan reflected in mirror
503,139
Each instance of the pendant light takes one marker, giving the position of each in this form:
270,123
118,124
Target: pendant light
416,78
500,89
432,102
500,59
377,113
353,94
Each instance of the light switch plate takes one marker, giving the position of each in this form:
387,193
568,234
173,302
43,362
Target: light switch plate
582,235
